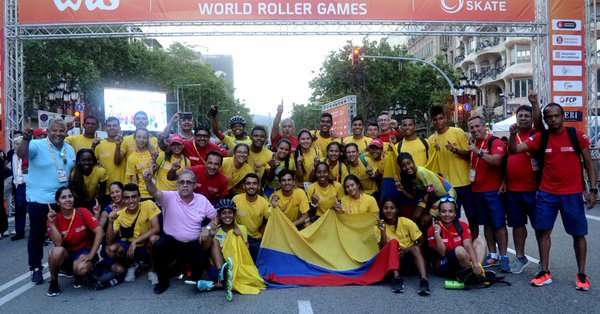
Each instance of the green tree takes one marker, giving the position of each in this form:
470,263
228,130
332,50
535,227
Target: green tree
306,116
380,84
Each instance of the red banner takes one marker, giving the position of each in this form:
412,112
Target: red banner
91,11
341,120
568,80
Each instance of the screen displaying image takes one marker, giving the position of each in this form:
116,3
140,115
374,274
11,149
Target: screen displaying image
124,103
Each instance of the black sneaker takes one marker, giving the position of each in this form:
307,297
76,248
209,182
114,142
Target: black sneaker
37,277
17,237
424,288
77,282
53,289
161,287
397,285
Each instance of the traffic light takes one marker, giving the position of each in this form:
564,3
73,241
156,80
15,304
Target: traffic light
77,114
356,55
460,108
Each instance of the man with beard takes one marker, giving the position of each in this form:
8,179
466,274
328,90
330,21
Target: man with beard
487,175
252,212
88,138
210,182
358,136
186,237
324,136
50,163
561,150
198,149
259,156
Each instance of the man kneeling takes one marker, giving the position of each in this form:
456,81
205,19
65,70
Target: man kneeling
184,215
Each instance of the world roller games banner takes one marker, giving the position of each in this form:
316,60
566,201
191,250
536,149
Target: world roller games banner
94,11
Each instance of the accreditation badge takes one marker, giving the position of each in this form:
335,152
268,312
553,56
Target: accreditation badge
472,175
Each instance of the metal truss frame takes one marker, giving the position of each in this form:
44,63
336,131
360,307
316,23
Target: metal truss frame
16,33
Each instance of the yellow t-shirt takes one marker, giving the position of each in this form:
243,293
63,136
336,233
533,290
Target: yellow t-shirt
105,153
416,149
251,214
362,143
406,232
260,159
79,141
451,166
321,142
369,186
129,146
294,205
147,211
231,141
308,160
336,172
162,183
364,204
235,175
137,163
328,195
377,165
92,181
221,235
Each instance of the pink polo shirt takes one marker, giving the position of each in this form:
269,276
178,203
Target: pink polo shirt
183,220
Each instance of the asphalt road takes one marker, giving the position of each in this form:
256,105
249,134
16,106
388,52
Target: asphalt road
18,295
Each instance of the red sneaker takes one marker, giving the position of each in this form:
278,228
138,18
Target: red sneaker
541,279
583,282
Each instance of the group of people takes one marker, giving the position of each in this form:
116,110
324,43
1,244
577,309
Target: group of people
166,204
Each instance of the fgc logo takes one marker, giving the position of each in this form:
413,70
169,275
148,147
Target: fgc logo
91,5
450,8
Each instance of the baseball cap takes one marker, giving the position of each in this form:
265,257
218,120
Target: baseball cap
377,143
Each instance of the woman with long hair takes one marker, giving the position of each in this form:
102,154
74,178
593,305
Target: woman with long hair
141,159
324,193
307,155
334,161
235,168
170,163
282,159
356,201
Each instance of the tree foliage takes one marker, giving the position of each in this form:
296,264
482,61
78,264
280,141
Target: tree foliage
381,84
306,116
130,64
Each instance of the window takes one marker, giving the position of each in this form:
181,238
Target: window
521,87
520,54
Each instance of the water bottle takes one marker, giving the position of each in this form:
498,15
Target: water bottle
454,285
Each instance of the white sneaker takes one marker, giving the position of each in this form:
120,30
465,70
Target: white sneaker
130,276
153,277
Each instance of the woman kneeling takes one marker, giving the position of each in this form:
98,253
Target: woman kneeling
76,235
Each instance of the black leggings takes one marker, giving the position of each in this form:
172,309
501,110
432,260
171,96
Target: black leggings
167,249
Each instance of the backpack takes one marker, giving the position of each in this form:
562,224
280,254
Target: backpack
486,280
423,141
541,154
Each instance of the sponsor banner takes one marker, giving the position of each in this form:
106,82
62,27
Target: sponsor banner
341,110
564,24
44,118
569,101
567,70
568,30
567,40
91,11
567,86
566,55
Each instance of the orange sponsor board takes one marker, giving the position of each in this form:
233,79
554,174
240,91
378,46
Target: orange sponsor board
567,60
341,120
91,11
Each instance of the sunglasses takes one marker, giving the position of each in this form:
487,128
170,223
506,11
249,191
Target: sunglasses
447,199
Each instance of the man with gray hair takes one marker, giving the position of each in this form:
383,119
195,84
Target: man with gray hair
286,132
50,163
188,218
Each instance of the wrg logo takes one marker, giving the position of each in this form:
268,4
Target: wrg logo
452,6
90,5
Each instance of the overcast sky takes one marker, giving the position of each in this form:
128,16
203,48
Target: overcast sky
269,69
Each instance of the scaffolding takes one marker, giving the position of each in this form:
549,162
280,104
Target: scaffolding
16,34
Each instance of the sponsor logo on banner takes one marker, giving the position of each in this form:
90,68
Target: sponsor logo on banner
573,116
566,25
567,70
455,6
90,5
569,101
566,40
567,86
566,55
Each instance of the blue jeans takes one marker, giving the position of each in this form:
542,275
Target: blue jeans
38,215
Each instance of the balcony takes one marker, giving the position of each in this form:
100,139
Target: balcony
487,43
488,75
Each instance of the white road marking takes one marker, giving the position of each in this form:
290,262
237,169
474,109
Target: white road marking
304,307
17,292
593,217
531,259
17,280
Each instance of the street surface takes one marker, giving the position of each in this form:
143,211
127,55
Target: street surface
18,295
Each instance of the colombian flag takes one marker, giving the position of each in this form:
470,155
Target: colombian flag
338,249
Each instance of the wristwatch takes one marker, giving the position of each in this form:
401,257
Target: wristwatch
480,153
